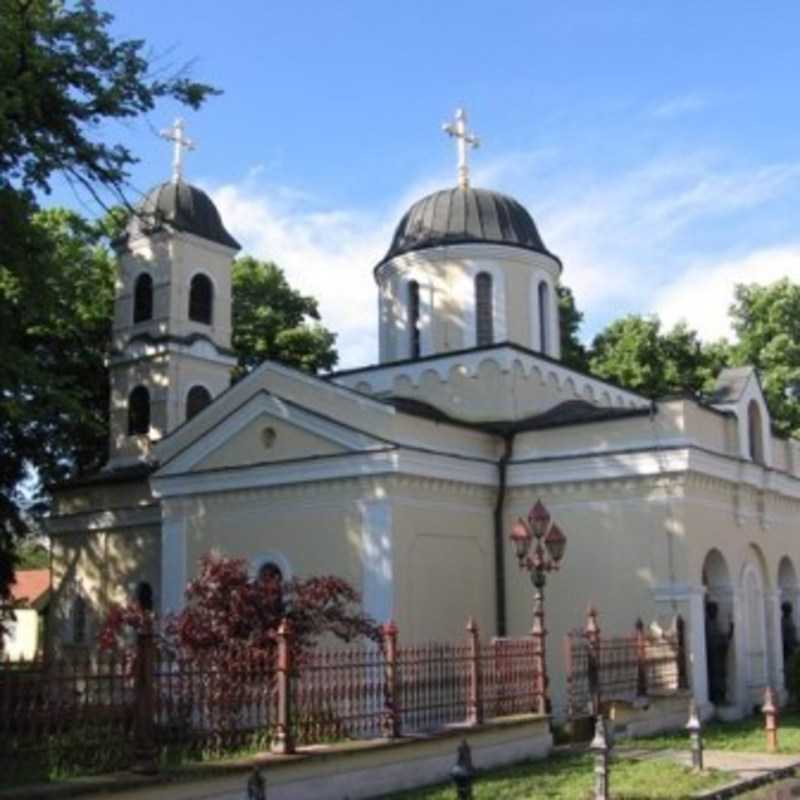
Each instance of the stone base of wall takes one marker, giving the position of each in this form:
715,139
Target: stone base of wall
658,715
358,770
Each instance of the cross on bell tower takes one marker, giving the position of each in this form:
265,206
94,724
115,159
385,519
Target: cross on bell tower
465,140
175,134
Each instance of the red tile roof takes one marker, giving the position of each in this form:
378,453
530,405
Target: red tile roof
30,585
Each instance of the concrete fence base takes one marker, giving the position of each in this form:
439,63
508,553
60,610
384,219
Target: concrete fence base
357,770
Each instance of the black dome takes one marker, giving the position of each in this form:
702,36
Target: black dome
465,216
183,207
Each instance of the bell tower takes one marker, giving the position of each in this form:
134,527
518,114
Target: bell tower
171,353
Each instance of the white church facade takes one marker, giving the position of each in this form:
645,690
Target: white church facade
405,477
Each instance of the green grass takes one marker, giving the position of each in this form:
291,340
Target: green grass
570,777
743,736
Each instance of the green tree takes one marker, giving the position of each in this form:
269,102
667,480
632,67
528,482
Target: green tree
63,76
634,353
570,319
273,320
54,407
767,324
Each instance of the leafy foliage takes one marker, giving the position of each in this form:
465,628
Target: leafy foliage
55,327
270,321
63,76
767,324
634,353
229,613
573,352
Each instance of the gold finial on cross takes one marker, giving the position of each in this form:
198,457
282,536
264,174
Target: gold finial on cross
465,140
180,143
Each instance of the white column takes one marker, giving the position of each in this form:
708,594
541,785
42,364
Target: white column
377,583
738,677
772,601
698,659
173,563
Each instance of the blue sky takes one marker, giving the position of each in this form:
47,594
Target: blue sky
655,143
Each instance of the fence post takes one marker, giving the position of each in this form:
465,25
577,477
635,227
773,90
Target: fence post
144,761
592,634
538,634
475,698
770,710
391,715
600,748
283,741
569,665
680,628
641,659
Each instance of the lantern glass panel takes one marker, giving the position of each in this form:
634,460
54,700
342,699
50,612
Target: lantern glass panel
556,543
521,537
539,519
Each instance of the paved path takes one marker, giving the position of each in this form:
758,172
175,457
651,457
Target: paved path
746,765
750,769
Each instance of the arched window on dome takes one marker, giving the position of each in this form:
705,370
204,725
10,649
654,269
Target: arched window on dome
197,399
544,317
139,411
484,309
143,298
754,431
201,299
413,320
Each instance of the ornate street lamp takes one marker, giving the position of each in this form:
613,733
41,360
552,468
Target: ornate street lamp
539,545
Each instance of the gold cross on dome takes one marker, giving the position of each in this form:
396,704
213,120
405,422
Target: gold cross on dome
175,134
464,140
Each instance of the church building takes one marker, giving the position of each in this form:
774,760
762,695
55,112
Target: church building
405,476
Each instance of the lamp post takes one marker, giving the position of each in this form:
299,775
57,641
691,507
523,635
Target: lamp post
539,547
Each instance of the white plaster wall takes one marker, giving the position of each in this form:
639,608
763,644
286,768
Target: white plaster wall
446,276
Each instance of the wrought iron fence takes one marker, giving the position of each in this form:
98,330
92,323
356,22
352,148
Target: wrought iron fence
68,716
102,712
601,669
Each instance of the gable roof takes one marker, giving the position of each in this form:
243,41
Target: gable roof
731,384
30,587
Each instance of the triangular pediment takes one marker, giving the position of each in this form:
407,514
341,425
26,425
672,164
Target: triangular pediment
267,429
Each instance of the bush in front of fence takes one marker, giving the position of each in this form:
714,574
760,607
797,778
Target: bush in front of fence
229,611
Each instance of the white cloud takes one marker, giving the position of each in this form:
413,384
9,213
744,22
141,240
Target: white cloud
703,293
618,236
679,105
327,254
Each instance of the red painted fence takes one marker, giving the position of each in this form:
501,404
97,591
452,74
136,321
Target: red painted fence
96,713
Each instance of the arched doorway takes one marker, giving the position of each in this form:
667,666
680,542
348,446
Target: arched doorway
789,597
755,638
718,616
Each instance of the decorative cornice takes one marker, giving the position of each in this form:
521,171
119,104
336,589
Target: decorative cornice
145,346
380,379
95,521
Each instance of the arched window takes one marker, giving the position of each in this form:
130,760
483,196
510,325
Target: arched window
78,614
144,596
143,298
544,318
197,399
413,319
139,411
201,299
754,431
270,577
484,309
